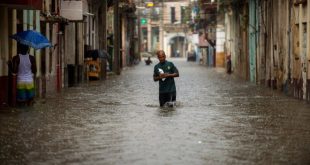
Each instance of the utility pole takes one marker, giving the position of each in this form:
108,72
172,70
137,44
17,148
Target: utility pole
116,63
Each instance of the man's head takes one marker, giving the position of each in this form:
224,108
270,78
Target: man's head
23,49
161,56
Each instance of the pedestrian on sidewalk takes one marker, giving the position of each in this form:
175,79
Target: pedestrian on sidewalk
24,67
164,72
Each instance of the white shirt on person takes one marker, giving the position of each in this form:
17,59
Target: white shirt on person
24,69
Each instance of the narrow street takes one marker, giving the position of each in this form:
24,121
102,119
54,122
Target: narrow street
220,119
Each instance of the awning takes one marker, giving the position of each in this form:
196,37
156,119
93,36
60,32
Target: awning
47,17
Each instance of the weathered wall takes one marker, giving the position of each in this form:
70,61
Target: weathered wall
239,30
279,42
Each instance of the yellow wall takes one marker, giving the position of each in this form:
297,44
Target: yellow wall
220,59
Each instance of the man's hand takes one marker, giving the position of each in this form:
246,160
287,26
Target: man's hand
163,75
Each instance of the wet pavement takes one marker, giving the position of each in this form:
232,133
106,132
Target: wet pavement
219,120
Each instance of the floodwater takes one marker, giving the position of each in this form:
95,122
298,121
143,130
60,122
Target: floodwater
218,120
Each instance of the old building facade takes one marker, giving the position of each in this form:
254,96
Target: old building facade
72,27
269,43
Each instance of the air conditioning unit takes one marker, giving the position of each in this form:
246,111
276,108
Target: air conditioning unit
72,10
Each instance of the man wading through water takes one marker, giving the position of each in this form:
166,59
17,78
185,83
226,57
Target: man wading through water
164,72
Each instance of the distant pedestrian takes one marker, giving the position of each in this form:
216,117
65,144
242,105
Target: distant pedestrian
177,53
228,64
148,61
164,72
24,67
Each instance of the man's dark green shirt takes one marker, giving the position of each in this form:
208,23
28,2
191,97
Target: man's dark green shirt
167,85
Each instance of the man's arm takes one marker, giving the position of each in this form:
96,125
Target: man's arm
160,76
156,78
171,75
167,75
155,74
33,65
15,63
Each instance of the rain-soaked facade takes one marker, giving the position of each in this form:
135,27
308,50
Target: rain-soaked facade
269,43
74,28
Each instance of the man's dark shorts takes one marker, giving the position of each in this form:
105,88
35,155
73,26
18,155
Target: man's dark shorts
166,97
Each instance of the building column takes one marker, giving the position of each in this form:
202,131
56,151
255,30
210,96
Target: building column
102,30
307,59
308,39
161,37
38,52
116,63
302,50
4,56
4,51
161,27
14,30
149,35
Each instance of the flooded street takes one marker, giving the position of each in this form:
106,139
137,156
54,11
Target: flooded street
219,120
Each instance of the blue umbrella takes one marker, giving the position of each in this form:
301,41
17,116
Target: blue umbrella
32,38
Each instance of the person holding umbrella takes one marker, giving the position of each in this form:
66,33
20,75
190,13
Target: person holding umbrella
24,67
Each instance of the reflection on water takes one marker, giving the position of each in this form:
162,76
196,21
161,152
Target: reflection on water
218,120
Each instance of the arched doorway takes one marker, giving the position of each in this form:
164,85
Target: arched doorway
177,46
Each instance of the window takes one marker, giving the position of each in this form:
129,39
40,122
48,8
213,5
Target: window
183,14
173,14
